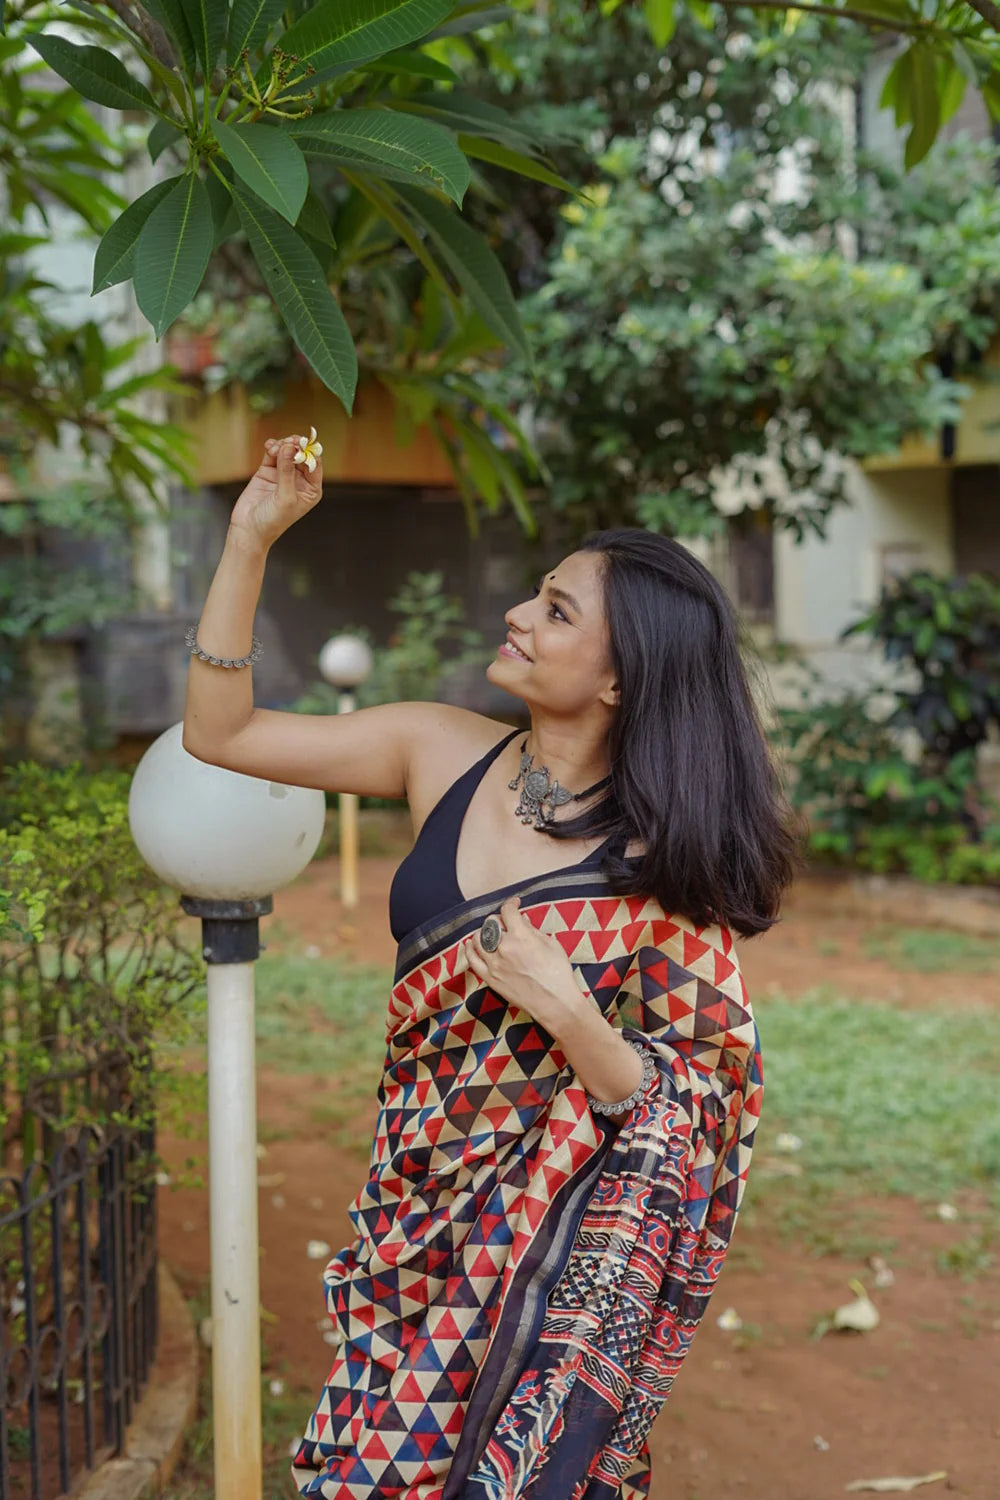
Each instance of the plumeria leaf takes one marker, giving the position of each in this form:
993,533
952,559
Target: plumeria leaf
115,255
296,281
94,73
269,161
206,21
249,24
413,62
339,34
173,251
661,19
473,264
515,161
162,135
397,147
315,222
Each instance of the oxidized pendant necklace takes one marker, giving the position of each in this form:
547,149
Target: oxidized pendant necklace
538,790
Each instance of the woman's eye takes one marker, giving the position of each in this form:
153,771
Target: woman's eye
553,608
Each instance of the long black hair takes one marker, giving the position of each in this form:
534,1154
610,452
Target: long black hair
691,772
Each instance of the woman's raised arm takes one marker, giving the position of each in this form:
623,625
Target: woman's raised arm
368,751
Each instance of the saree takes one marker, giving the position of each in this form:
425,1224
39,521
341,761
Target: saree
527,1275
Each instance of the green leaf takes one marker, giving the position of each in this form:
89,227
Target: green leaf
94,73
515,161
3,24
225,219
167,77
314,221
898,87
460,111
173,251
162,135
269,162
474,266
951,85
991,95
115,255
295,280
416,63
661,19
926,106
339,34
249,24
206,21
412,150
170,15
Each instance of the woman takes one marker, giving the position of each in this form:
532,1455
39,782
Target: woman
550,1195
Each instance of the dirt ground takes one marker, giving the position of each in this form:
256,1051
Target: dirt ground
766,1413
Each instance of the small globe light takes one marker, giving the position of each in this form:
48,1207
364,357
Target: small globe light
215,833
345,661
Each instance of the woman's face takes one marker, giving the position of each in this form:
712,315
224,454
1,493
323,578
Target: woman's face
566,665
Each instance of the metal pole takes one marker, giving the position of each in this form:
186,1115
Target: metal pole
231,943
349,837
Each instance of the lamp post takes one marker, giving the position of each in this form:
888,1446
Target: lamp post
227,841
345,661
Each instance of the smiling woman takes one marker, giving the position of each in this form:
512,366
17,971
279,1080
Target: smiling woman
572,1075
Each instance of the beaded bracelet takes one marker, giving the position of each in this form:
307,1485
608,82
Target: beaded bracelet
648,1074
190,640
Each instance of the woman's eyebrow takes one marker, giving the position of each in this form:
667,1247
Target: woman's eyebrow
560,594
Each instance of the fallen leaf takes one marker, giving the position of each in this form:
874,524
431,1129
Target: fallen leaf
786,1141
948,1212
884,1274
270,1179
859,1316
821,1444
730,1321
896,1485
317,1249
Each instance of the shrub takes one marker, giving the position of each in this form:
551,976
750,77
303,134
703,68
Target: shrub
93,969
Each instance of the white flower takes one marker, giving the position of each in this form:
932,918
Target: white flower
730,1321
309,450
317,1249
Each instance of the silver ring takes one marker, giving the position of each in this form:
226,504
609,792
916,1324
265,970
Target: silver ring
490,934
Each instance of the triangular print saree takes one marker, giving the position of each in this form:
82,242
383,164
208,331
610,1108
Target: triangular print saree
527,1276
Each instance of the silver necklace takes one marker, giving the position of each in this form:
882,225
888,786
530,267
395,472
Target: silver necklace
539,790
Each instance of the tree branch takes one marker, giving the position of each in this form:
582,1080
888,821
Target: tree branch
989,12
147,30
847,13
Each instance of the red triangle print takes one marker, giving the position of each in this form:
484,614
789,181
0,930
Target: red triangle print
570,912
723,968
570,941
609,980
694,948
601,942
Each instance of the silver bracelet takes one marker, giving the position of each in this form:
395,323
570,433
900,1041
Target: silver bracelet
648,1074
190,640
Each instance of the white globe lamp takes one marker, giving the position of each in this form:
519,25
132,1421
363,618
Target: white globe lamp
344,662
226,841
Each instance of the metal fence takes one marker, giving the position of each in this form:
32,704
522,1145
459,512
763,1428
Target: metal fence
78,1306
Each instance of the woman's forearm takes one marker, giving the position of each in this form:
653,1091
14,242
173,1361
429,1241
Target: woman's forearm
220,699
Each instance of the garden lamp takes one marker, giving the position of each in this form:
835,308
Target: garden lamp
344,662
226,841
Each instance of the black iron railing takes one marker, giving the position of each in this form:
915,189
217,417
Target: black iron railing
78,1305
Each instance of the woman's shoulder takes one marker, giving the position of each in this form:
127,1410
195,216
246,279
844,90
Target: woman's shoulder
447,741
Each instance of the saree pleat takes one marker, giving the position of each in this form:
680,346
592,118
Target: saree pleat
526,1277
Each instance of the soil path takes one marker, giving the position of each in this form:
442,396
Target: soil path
768,1413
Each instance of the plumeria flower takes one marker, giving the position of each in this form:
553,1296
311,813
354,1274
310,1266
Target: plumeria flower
309,450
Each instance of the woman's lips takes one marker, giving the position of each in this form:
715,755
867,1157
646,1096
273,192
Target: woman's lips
506,649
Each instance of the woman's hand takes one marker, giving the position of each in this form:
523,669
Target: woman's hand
277,495
530,969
